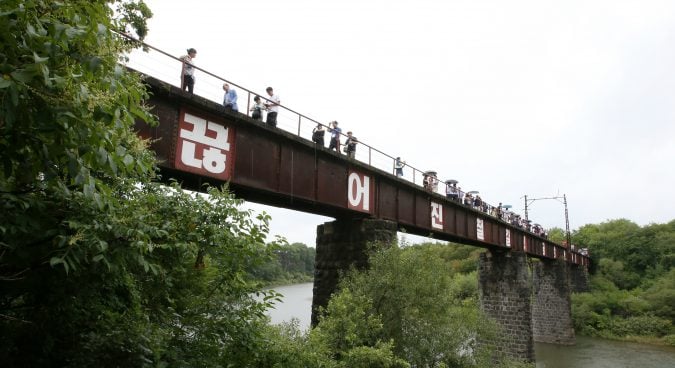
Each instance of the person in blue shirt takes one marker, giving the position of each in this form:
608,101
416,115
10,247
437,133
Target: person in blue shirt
230,99
334,136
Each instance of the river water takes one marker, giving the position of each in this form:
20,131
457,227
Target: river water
587,353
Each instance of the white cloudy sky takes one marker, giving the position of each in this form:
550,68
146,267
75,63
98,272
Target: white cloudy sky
536,97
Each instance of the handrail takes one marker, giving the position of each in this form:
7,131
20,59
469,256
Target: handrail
432,186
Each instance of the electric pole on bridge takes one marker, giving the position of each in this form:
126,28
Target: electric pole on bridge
528,201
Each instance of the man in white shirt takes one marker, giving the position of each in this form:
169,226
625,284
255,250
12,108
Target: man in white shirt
272,106
187,79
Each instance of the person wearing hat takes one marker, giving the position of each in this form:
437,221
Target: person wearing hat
334,136
187,80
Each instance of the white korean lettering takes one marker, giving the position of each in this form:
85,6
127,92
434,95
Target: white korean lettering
479,229
359,192
198,132
187,155
214,160
436,215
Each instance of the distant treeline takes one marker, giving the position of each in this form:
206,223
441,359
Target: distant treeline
288,264
632,281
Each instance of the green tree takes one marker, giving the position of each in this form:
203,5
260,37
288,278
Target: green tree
557,235
632,288
99,266
291,263
66,121
431,320
661,295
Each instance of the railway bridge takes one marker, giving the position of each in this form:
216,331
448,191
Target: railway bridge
197,141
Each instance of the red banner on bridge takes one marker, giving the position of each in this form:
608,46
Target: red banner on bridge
204,146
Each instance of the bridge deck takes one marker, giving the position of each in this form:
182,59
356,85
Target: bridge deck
198,142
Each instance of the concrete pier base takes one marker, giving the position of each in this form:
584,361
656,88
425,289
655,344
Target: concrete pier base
504,291
551,304
340,245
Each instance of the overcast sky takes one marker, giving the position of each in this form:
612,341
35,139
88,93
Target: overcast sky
515,97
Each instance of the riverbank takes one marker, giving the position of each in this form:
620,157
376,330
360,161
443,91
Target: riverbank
300,279
667,341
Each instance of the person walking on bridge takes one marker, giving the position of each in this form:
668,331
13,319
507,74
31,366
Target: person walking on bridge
230,99
187,74
272,106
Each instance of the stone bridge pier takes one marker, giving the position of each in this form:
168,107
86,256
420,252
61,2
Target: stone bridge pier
504,290
551,304
340,245
579,278
526,308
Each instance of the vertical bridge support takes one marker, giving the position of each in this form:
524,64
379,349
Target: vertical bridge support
504,290
551,304
340,245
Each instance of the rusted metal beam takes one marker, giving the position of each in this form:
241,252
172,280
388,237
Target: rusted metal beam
198,142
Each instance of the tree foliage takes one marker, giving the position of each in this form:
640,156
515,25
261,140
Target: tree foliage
633,285
292,263
99,266
411,298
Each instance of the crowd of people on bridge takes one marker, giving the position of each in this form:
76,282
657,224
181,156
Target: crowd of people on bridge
271,107
430,181
472,199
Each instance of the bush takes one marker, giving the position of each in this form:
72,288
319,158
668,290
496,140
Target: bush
286,346
669,340
464,286
641,326
380,356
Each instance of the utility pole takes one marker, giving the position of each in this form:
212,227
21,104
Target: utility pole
567,223
568,236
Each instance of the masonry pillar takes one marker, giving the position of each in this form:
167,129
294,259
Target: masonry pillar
340,245
579,278
551,304
504,291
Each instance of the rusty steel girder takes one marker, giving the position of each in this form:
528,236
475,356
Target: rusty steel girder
198,142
